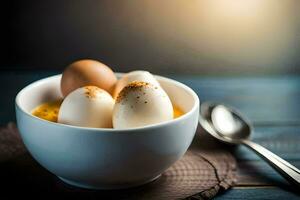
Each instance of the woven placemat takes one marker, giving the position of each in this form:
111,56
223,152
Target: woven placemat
207,169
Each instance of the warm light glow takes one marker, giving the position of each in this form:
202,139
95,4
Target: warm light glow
236,8
215,34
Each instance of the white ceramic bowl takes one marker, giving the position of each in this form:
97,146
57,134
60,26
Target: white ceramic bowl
99,158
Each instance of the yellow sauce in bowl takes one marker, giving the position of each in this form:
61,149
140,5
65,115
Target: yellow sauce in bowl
177,112
49,111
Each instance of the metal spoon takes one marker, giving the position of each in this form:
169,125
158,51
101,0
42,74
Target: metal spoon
228,125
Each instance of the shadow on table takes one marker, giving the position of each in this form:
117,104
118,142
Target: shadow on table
255,176
24,176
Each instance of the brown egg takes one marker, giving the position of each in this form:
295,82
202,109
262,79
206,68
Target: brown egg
87,72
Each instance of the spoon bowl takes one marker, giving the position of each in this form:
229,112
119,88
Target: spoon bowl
228,124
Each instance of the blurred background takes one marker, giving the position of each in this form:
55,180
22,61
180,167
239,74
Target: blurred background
170,36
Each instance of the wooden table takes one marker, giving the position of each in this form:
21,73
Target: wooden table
272,103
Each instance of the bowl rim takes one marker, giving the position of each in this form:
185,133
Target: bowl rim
151,126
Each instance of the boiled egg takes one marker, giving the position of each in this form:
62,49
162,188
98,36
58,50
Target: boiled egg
87,106
87,72
138,75
140,104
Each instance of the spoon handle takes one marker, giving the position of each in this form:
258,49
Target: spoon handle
288,171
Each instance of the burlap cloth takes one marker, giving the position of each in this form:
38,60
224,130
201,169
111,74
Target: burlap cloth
206,170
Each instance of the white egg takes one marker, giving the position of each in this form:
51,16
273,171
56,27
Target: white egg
140,104
138,75
87,106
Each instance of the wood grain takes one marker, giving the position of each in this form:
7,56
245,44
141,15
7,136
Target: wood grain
282,140
264,193
265,100
259,173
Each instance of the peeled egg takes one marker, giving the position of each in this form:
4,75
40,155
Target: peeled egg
140,104
87,72
87,106
138,75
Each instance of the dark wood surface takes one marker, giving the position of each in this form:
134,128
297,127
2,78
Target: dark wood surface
272,103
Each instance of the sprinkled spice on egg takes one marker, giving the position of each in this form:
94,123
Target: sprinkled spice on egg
152,106
92,91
